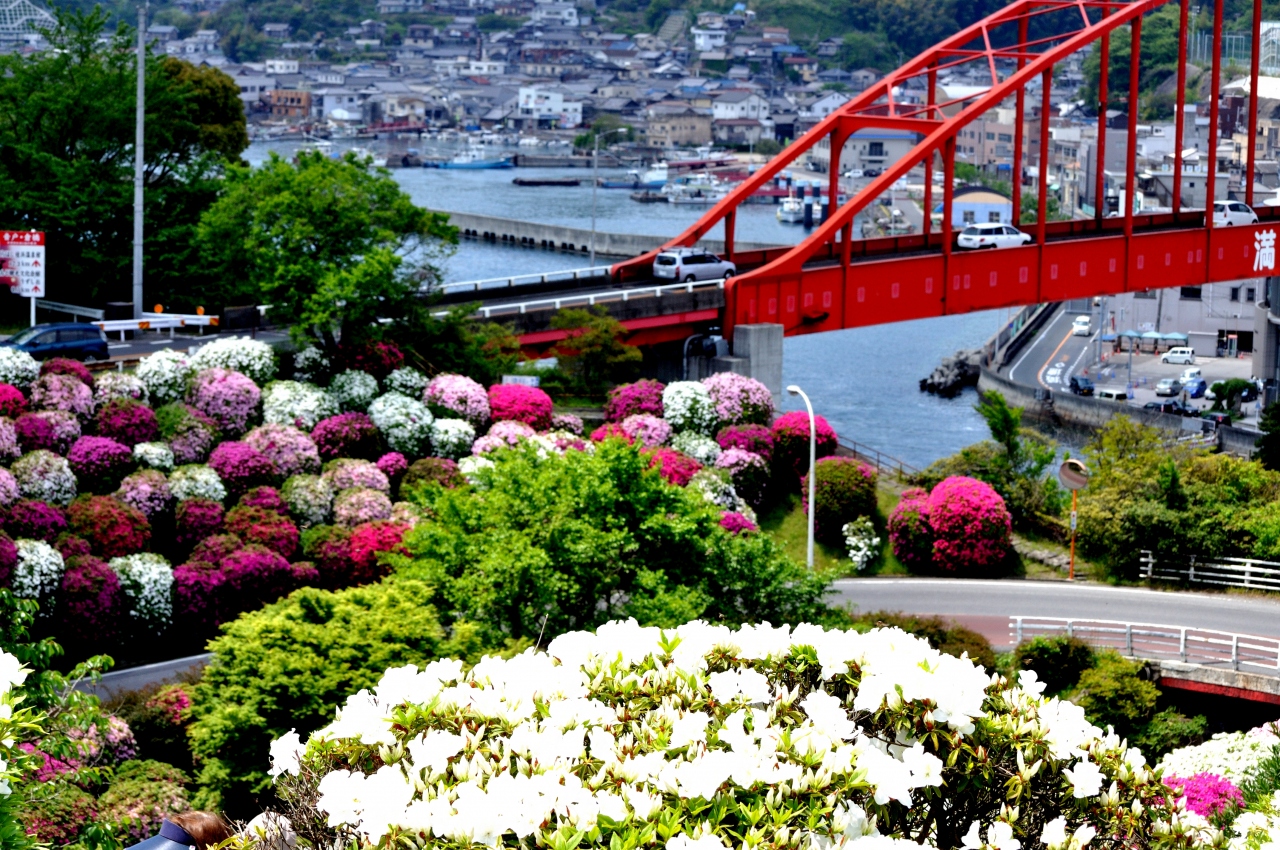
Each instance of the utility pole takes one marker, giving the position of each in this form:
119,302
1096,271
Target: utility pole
138,169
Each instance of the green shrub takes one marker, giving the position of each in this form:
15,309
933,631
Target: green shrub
289,665
845,489
1263,780
942,635
1058,661
545,545
142,794
158,716
1114,693
1169,730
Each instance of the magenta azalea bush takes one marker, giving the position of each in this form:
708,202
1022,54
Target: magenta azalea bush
241,467
68,367
196,519
972,528
63,392
791,441
736,523
739,400
649,431
910,533
644,396
519,403
756,439
457,397
347,435
228,398
12,402
100,462
290,450
1206,794
48,430
127,421
32,519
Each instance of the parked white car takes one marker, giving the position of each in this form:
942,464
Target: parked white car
689,264
1233,212
1190,374
992,235
1182,354
1081,326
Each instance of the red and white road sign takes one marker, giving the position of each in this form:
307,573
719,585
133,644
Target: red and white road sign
22,262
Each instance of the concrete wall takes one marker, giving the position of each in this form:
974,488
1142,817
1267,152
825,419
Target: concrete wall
1238,441
1080,410
607,244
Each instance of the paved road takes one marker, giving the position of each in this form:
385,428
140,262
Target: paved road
146,343
133,678
986,605
1055,354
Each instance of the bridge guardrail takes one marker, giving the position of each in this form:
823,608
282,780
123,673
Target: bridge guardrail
604,272
1154,640
591,298
1249,573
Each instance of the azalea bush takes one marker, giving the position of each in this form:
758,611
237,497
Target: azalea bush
962,527
701,736
455,396
791,442
687,405
642,397
739,400
298,404
845,490
519,403
249,357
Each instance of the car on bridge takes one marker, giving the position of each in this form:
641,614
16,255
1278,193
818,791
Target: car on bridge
1168,386
1233,212
991,235
690,264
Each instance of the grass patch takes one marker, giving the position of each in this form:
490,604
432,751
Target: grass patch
786,522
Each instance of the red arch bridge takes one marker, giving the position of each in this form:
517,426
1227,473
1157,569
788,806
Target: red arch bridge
832,281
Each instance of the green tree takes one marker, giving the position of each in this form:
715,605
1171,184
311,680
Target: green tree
595,355
1159,61
332,245
66,158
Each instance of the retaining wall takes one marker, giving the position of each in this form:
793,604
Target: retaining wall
1080,410
577,239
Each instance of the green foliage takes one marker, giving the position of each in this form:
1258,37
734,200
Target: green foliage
610,128
66,159
1226,394
330,244
1159,61
1015,462
547,545
1269,443
1114,693
595,355
1168,730
845,490
291,664
1263,780
1058,661
142,794
942,635
498,23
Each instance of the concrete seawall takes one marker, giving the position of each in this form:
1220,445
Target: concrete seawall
531,234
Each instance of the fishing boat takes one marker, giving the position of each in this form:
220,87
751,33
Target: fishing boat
791,210
649,197
701,189
651,178
547,181
476,159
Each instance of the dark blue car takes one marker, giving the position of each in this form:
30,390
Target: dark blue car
1195,387
67,339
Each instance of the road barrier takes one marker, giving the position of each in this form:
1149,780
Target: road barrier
593,298
603,273
1152,640
1221,572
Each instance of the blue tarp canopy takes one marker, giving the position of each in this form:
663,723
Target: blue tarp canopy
1175,336
1130,333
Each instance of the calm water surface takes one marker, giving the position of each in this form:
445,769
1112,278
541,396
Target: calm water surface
864,381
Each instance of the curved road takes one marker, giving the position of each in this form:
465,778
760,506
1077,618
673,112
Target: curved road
987,605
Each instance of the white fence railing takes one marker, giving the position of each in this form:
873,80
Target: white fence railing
1152,640
601,297
1220,572
498,283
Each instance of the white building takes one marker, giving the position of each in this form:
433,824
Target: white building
546,106
740,104
708,39
282,66
555,14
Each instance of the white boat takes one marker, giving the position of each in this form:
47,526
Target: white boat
695,189
791,210
368,156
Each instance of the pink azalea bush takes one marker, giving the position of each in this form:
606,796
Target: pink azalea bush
191,434
972,528
12,402
649,431
69,367
100,462
756,439
519,403
736,523
609,430
567,422
393,465
148,491
241,467
127,421
791,441
289,449
264,497
360,505
347,435
749,473
910,533
50,430
63,392
644,396
228,398
8,488
457,397
503,434
739,400
9,448
677,468
1207,794
345,473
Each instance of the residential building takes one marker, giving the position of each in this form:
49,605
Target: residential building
740,103
977,205
543,107
708,39
289,104
557,14
677,124
871,148
277,32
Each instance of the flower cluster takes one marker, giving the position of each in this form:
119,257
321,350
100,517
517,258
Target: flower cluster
166,375
196,481
407,381
861,540
359,505
452,438
346,473
311,365
110,526
290,451
147,491
567,422
154,456
748,471
309,498
1206,794
54,430
241,467
644,396
18,368
35,520
353,390
405,424
677,468
649,431
736,523
190,434
12,402
45,476
228,398
63,392
100,462
791,440
739,400
457,396
127,421
519,403
702,732
700,447
9,447
687,406
297,404
146,579
963,525
237,354
38,572
1230,755
119,385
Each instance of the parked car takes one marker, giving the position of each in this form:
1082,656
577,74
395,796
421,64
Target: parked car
1081,326
1175,407
1217,417
64,339
854,173
1181,354
1190,374
1119,394
1168,386
1196,387
1080,385
992,235
1233,212
871,172
687,264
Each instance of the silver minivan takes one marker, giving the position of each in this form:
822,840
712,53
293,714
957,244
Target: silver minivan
690,264
1182,354
1112,394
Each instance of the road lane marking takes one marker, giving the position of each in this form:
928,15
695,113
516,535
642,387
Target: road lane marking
1031,348
1052,358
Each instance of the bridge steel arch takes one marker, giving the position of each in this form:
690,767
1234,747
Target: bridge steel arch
831,281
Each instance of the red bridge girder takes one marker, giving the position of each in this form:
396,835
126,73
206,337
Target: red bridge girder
831,281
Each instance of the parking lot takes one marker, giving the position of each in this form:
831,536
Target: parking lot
1147,370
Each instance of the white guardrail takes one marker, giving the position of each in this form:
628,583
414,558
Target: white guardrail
524,280
1221,572
593,298
1152,640
157,321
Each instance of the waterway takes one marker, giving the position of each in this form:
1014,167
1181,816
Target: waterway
864,380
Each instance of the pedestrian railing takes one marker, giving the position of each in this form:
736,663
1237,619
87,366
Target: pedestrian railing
70,309
878,459
592,298
1219,572
1155,641
498,283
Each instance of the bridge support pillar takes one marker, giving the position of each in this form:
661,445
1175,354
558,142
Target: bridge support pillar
761,347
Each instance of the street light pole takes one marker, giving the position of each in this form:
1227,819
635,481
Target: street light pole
813,473
595,186
138,165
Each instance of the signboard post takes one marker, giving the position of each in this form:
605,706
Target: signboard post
22,264
1075,477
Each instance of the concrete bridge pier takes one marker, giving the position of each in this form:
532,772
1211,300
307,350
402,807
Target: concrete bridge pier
756,353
